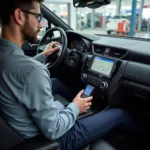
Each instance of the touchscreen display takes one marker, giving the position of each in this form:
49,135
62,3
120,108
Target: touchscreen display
88,90
103,65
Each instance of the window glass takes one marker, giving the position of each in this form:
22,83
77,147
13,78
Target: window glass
106,19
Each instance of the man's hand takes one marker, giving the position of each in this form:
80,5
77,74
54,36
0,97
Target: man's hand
49,50
83,103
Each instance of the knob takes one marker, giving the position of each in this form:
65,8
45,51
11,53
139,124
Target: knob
84,76
103,85
73,54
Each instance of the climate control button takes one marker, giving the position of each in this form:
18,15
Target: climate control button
84,76
103,85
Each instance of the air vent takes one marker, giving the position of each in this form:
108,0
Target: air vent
99,49
117,53
109,51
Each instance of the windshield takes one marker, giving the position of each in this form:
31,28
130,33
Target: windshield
114,19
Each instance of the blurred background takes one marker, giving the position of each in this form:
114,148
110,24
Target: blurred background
103,20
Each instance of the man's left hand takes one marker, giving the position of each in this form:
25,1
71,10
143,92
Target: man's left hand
49,50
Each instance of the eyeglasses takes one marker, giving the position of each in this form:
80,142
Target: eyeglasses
38,16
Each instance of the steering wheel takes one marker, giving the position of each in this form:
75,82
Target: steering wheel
59,55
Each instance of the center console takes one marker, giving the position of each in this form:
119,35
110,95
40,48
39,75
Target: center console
101,72
104,73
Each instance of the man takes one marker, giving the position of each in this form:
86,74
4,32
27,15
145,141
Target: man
26,98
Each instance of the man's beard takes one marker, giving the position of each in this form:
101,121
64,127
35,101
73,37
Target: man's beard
29,34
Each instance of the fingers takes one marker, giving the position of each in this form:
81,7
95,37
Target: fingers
52,44
51,49
88,107
88,98
55,49
55,42
80,93
88,104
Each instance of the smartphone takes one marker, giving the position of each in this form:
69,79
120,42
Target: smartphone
88,91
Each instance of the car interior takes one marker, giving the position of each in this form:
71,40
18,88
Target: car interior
118,69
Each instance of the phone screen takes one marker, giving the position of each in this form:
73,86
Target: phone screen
88,90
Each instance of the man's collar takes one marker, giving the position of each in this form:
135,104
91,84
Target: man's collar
4,42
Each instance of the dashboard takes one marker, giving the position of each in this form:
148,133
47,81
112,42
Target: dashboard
111,62
131,49
78,44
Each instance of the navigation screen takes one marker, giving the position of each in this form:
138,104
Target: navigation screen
103,65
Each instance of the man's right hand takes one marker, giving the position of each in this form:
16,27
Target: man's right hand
83,103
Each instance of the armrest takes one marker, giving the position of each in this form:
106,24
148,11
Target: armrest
38,143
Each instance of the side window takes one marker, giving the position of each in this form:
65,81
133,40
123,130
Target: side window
44,23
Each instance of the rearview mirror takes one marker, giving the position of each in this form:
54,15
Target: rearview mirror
90,3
